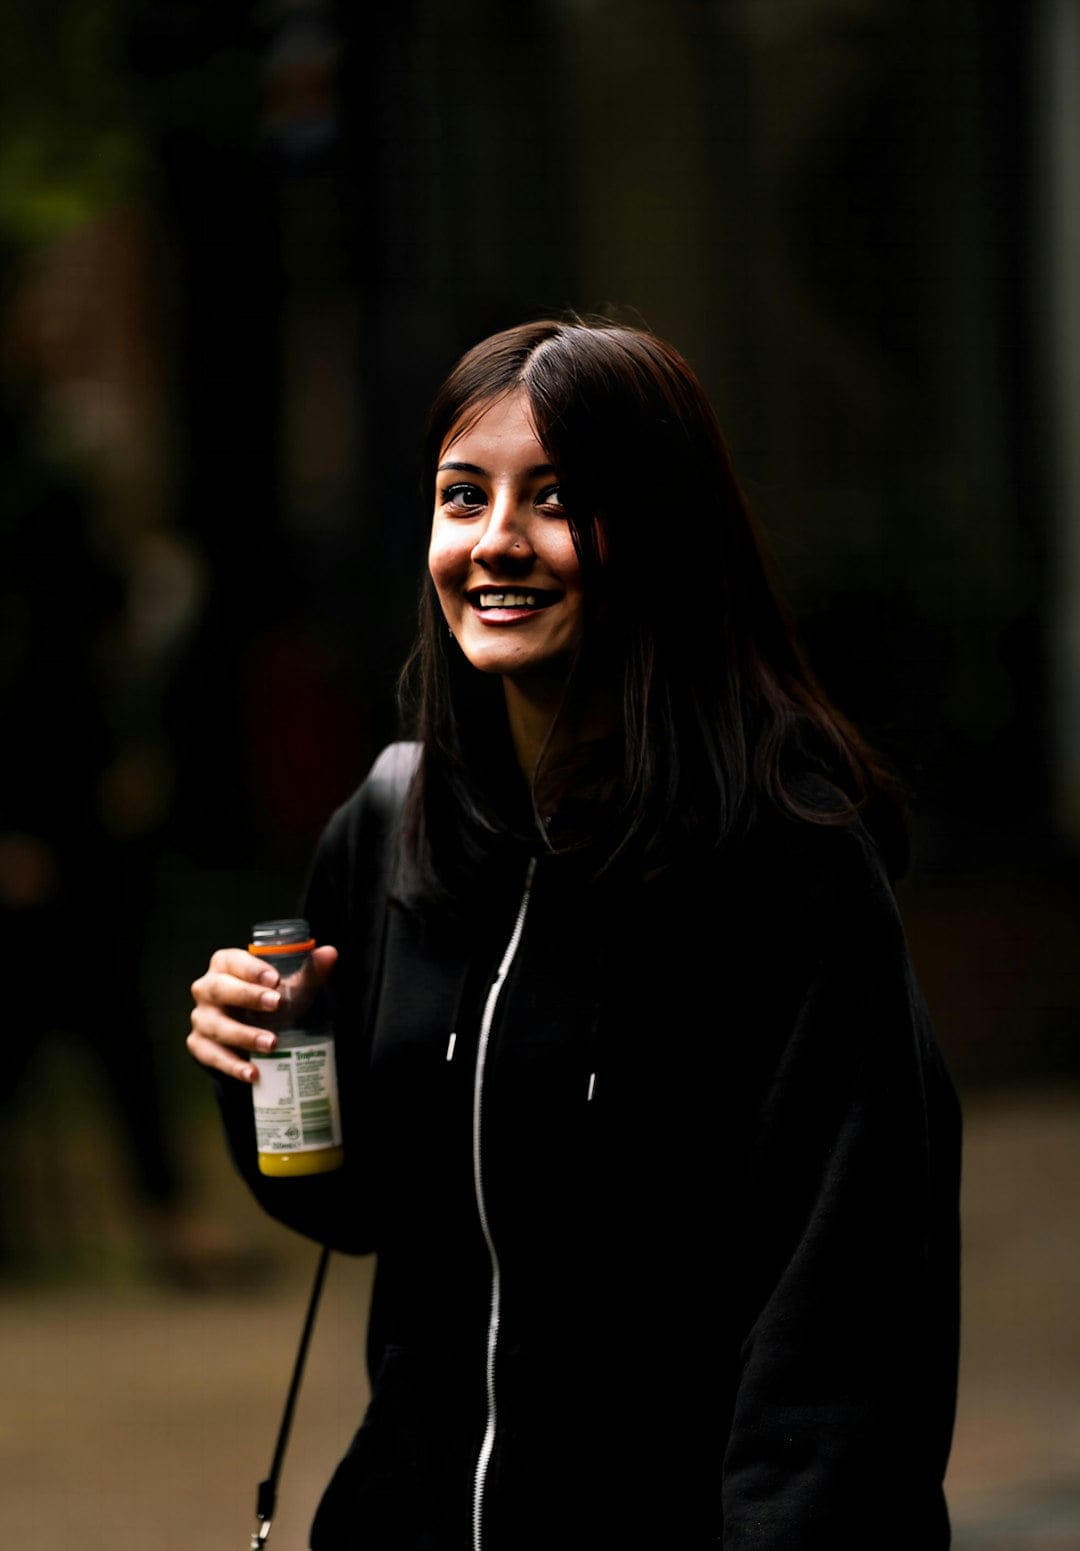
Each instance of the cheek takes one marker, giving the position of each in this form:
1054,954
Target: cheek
563,559
444,559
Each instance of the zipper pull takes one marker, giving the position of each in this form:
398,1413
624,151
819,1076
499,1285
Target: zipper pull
450,1046
592,1085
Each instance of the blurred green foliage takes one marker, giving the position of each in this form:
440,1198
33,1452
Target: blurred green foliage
70,144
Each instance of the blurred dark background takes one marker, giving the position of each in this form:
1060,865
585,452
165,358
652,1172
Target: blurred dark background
241,243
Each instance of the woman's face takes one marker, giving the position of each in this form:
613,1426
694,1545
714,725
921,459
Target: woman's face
501,555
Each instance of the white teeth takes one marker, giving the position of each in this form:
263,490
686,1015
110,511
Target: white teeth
507,600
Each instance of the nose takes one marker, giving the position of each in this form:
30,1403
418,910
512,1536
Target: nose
504,545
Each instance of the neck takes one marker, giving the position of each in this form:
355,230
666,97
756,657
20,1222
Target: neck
545,722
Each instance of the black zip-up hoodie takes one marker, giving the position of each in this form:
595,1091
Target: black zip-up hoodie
706,1294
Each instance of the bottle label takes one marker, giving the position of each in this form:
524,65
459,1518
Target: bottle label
296,1099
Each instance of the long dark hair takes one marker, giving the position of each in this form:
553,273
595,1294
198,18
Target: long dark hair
721,715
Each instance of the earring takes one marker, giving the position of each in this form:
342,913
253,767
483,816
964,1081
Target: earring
450,631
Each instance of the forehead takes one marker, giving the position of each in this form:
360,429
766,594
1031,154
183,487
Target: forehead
501,431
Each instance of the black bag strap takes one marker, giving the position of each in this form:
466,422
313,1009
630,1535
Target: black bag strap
389,784
266,1497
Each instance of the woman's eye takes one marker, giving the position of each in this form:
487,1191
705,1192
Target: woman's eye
551,498
466,496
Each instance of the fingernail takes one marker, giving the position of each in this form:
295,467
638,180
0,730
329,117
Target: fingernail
265,1042
270,999
269,977
249,1073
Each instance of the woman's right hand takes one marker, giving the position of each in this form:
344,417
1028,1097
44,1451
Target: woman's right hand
239,983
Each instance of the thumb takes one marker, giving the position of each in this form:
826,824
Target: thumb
322,962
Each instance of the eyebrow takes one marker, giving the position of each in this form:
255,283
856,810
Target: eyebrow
474,468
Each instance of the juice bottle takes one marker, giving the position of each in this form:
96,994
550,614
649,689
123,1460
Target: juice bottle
297,1114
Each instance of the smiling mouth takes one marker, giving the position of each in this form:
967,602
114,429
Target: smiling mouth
511,598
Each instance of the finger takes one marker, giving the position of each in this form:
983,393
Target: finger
222,990
242,965
322,962
213,1023
209,1053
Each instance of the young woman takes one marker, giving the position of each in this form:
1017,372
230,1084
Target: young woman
646,1120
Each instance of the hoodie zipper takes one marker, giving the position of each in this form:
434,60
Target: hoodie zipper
487,1018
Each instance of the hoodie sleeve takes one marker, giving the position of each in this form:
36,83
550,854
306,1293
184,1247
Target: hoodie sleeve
344,900
849,1247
